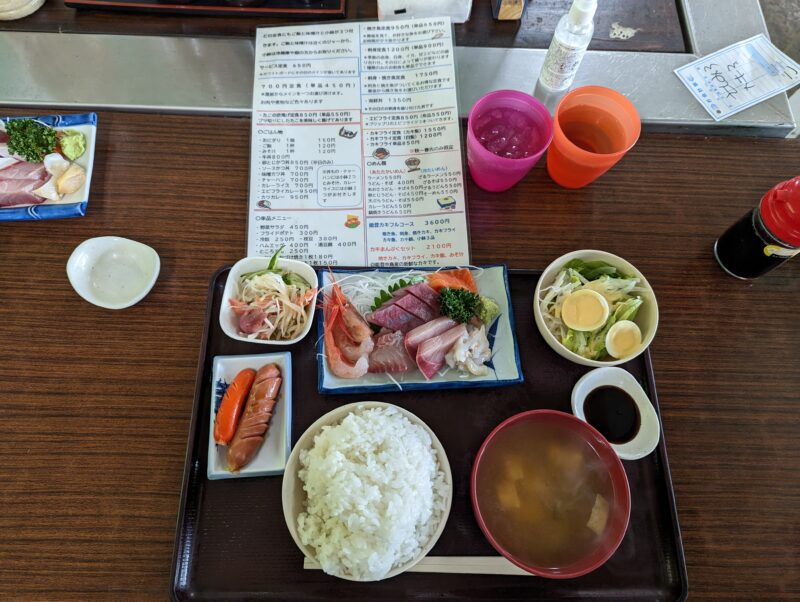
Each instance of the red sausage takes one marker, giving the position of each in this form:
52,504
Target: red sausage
255,419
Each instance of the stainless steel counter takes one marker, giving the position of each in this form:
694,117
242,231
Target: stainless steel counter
214,75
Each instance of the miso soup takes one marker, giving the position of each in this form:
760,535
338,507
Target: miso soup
544,493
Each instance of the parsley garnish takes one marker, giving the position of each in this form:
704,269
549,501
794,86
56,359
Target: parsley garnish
458,304
30,139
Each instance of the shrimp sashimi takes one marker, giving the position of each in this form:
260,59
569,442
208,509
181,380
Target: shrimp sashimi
351,351
348,337
356,325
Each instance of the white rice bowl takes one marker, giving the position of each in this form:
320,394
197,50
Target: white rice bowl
376,494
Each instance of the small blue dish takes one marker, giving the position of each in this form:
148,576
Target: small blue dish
74,204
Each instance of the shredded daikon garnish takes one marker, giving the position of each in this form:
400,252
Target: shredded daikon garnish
362,288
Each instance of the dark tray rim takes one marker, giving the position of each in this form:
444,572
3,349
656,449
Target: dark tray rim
662,447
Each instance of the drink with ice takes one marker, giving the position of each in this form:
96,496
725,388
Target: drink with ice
507,133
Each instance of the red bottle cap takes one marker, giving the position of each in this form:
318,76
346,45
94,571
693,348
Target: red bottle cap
780,211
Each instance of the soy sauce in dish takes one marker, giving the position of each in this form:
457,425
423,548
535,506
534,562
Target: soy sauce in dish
612,412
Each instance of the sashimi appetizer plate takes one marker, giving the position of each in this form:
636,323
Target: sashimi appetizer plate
396,329
46,166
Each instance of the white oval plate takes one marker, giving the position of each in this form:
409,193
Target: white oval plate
649,433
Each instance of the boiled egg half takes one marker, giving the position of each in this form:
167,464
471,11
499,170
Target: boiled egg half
623,339
584,310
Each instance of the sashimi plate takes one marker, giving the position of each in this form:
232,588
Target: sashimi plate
72,204
504,365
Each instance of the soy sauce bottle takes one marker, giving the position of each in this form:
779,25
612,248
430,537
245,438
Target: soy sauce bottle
765,237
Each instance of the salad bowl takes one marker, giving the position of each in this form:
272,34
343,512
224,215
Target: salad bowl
646,318
228,320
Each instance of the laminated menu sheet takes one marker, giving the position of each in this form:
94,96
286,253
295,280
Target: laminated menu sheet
356,145
739,76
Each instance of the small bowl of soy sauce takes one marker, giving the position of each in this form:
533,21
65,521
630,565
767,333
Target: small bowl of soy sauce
613,402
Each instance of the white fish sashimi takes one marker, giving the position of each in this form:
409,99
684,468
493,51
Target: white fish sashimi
48,190
55,164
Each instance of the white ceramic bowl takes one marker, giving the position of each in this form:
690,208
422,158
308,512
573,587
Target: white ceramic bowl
646,317
646,439
228,320
293,495
113,272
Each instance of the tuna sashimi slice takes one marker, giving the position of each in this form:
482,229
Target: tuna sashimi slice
389,355
22,170
418,307
430,354
416,337
423,292
19,198
18,181
394,317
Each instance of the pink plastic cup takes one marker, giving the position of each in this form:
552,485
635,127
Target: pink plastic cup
497,173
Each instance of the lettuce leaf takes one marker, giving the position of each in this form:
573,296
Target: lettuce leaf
592,270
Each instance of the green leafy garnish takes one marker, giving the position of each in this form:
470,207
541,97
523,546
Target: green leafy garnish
458,304
591,270
30,139
273,261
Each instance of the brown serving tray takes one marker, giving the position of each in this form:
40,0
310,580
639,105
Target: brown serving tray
232,542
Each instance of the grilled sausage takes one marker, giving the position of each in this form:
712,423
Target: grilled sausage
255,419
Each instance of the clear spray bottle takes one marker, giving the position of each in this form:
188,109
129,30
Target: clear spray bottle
570,40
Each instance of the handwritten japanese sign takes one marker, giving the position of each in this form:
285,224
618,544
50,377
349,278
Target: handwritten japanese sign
737,77
356,145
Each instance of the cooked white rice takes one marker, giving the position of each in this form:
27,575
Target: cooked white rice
375,493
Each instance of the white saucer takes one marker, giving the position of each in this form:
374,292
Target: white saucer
113,272
649,433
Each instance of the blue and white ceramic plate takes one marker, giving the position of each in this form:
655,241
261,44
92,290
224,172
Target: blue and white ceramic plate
504,366
274,452
71,205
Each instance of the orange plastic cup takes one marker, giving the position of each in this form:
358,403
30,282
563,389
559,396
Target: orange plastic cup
593,128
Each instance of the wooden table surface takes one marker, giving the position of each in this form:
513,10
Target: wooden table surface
657,22
96,403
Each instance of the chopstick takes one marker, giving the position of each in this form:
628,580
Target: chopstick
475,565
